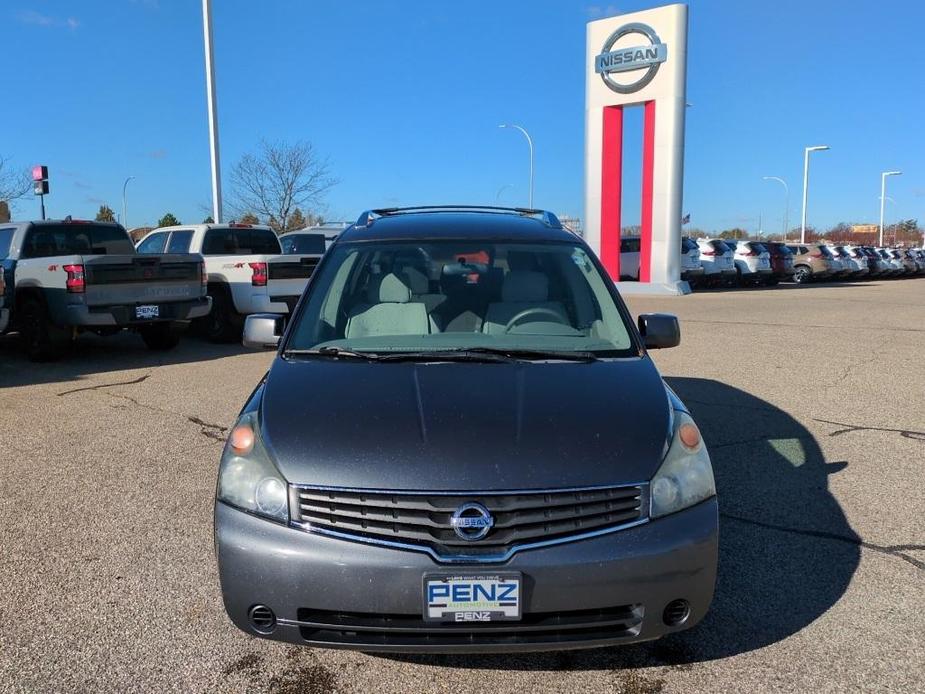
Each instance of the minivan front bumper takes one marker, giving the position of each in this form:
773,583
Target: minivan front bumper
328,592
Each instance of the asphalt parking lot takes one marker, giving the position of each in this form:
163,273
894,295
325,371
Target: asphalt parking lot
811,398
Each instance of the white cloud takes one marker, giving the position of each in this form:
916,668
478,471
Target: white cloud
600,11
43,20
37,18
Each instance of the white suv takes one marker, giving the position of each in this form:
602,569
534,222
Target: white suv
691,269
752,261
717,260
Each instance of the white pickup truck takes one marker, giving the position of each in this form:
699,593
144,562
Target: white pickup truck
247,271
64,277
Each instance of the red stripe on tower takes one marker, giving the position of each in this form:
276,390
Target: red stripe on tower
648,176
611,189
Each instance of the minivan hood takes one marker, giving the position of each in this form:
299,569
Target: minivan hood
465,426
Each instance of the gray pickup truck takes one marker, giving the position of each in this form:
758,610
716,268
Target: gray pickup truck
65,277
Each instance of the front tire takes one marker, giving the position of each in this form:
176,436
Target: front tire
160,337
42,340
802,274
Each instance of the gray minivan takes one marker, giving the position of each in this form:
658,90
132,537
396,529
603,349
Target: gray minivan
462,445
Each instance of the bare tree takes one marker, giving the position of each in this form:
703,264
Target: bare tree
278,179
13,184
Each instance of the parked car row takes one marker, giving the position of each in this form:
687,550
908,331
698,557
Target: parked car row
819,261
729,262
59,278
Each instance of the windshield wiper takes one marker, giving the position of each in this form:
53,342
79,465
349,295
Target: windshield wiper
474,354
494,354
337,352
446,355
536,354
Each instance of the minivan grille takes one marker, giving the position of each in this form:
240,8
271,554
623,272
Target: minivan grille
410,630
424,520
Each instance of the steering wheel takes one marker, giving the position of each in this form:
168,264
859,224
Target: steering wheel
536,310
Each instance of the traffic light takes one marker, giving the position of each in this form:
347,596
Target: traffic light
40,184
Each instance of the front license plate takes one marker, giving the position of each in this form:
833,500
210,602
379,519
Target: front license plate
147,312
472,597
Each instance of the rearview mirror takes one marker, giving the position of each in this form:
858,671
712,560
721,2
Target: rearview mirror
659,330
262,331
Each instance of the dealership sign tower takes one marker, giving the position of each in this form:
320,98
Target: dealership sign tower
637,59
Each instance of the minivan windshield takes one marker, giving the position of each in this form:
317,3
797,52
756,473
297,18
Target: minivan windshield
460,295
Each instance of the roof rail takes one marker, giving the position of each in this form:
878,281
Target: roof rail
547,217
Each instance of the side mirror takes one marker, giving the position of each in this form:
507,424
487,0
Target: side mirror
659,330
262,330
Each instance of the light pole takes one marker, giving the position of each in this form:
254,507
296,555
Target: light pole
883,197
806,152
213,112
530,143
123,201
786,200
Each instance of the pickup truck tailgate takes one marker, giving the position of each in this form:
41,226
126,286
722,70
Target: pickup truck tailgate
134,279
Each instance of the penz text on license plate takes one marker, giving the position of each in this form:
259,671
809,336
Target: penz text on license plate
472,598
147,312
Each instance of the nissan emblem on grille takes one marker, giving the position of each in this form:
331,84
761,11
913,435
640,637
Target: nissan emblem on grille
471,521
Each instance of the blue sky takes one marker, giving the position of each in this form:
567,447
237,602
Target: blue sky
405,99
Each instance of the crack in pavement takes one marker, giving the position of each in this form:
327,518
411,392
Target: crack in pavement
849,428
216,432
898,551
213,431
105,385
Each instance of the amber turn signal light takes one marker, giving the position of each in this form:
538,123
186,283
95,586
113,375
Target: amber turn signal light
242,439
689,435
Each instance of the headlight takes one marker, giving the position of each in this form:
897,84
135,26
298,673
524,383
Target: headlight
686,475
247,478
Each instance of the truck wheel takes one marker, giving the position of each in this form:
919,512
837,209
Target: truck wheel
41,339
220,324
160,336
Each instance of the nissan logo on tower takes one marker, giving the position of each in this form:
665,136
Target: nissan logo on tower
631,58
627,66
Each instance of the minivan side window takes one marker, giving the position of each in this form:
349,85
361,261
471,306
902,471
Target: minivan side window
179,241
154,243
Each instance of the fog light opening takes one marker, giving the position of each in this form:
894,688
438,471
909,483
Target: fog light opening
262,619
676,612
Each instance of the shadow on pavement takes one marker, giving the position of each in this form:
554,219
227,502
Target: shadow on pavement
92,355
787,552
